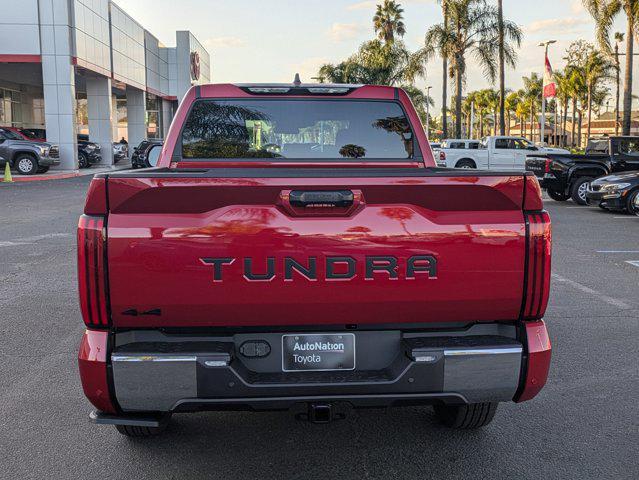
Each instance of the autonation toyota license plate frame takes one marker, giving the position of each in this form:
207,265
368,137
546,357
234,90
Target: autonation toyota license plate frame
319,352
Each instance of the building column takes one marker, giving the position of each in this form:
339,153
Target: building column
167,116
58,80
136,116
100,111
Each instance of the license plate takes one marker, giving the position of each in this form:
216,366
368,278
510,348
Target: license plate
318,352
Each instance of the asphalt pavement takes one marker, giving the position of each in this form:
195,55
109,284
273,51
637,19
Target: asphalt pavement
584,424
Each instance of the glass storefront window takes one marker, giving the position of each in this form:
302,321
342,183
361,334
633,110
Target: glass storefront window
10,107
153,116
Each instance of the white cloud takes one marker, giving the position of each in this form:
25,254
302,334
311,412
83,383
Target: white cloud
557,26
224,42
344,31
371,4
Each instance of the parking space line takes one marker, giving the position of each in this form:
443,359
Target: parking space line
31,240
583,288
632,217
617,251
634,263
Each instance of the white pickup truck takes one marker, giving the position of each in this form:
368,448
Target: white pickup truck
493,153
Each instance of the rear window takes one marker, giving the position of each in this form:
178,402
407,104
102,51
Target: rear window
298,129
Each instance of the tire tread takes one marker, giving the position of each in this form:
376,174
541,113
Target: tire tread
466,417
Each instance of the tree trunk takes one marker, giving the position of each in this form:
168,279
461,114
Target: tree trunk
579,128
481,124
502,82
564,136
627,88
574,124
445,79
589,111
458,102
532,117
554,129
618,82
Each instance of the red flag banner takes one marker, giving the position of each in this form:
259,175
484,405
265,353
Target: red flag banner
550,87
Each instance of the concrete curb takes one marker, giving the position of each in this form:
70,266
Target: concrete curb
62,174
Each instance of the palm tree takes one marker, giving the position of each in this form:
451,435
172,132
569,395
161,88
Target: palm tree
522,111
467,108
595,70
388,21
532,94
576,85
472,27
604,12
512,103
482,105
563,97
377,63
492,100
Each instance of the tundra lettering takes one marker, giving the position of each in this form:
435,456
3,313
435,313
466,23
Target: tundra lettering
417,264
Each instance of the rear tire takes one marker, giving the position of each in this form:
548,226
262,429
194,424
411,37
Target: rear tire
465,164
578,190
466,417
557,196
140,432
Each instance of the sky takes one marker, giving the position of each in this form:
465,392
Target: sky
271,40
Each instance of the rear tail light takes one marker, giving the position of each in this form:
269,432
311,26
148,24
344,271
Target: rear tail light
92,283
537,279
442,156
547,165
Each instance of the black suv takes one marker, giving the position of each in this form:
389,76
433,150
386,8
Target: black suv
88,152
567,176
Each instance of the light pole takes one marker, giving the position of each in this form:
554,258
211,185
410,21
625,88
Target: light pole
428,111
542,123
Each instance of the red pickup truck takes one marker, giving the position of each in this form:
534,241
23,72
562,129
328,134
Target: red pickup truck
295,248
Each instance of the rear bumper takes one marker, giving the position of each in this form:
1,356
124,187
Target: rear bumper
163,374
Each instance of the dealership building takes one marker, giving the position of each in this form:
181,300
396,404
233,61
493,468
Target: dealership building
86,67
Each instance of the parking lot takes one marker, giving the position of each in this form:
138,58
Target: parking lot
584,424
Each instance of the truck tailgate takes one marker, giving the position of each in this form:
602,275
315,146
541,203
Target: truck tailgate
229,247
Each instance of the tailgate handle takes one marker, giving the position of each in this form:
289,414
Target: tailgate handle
321,199
321,203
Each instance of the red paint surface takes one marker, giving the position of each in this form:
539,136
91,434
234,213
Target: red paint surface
93,369
158,230
10,58
538,366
